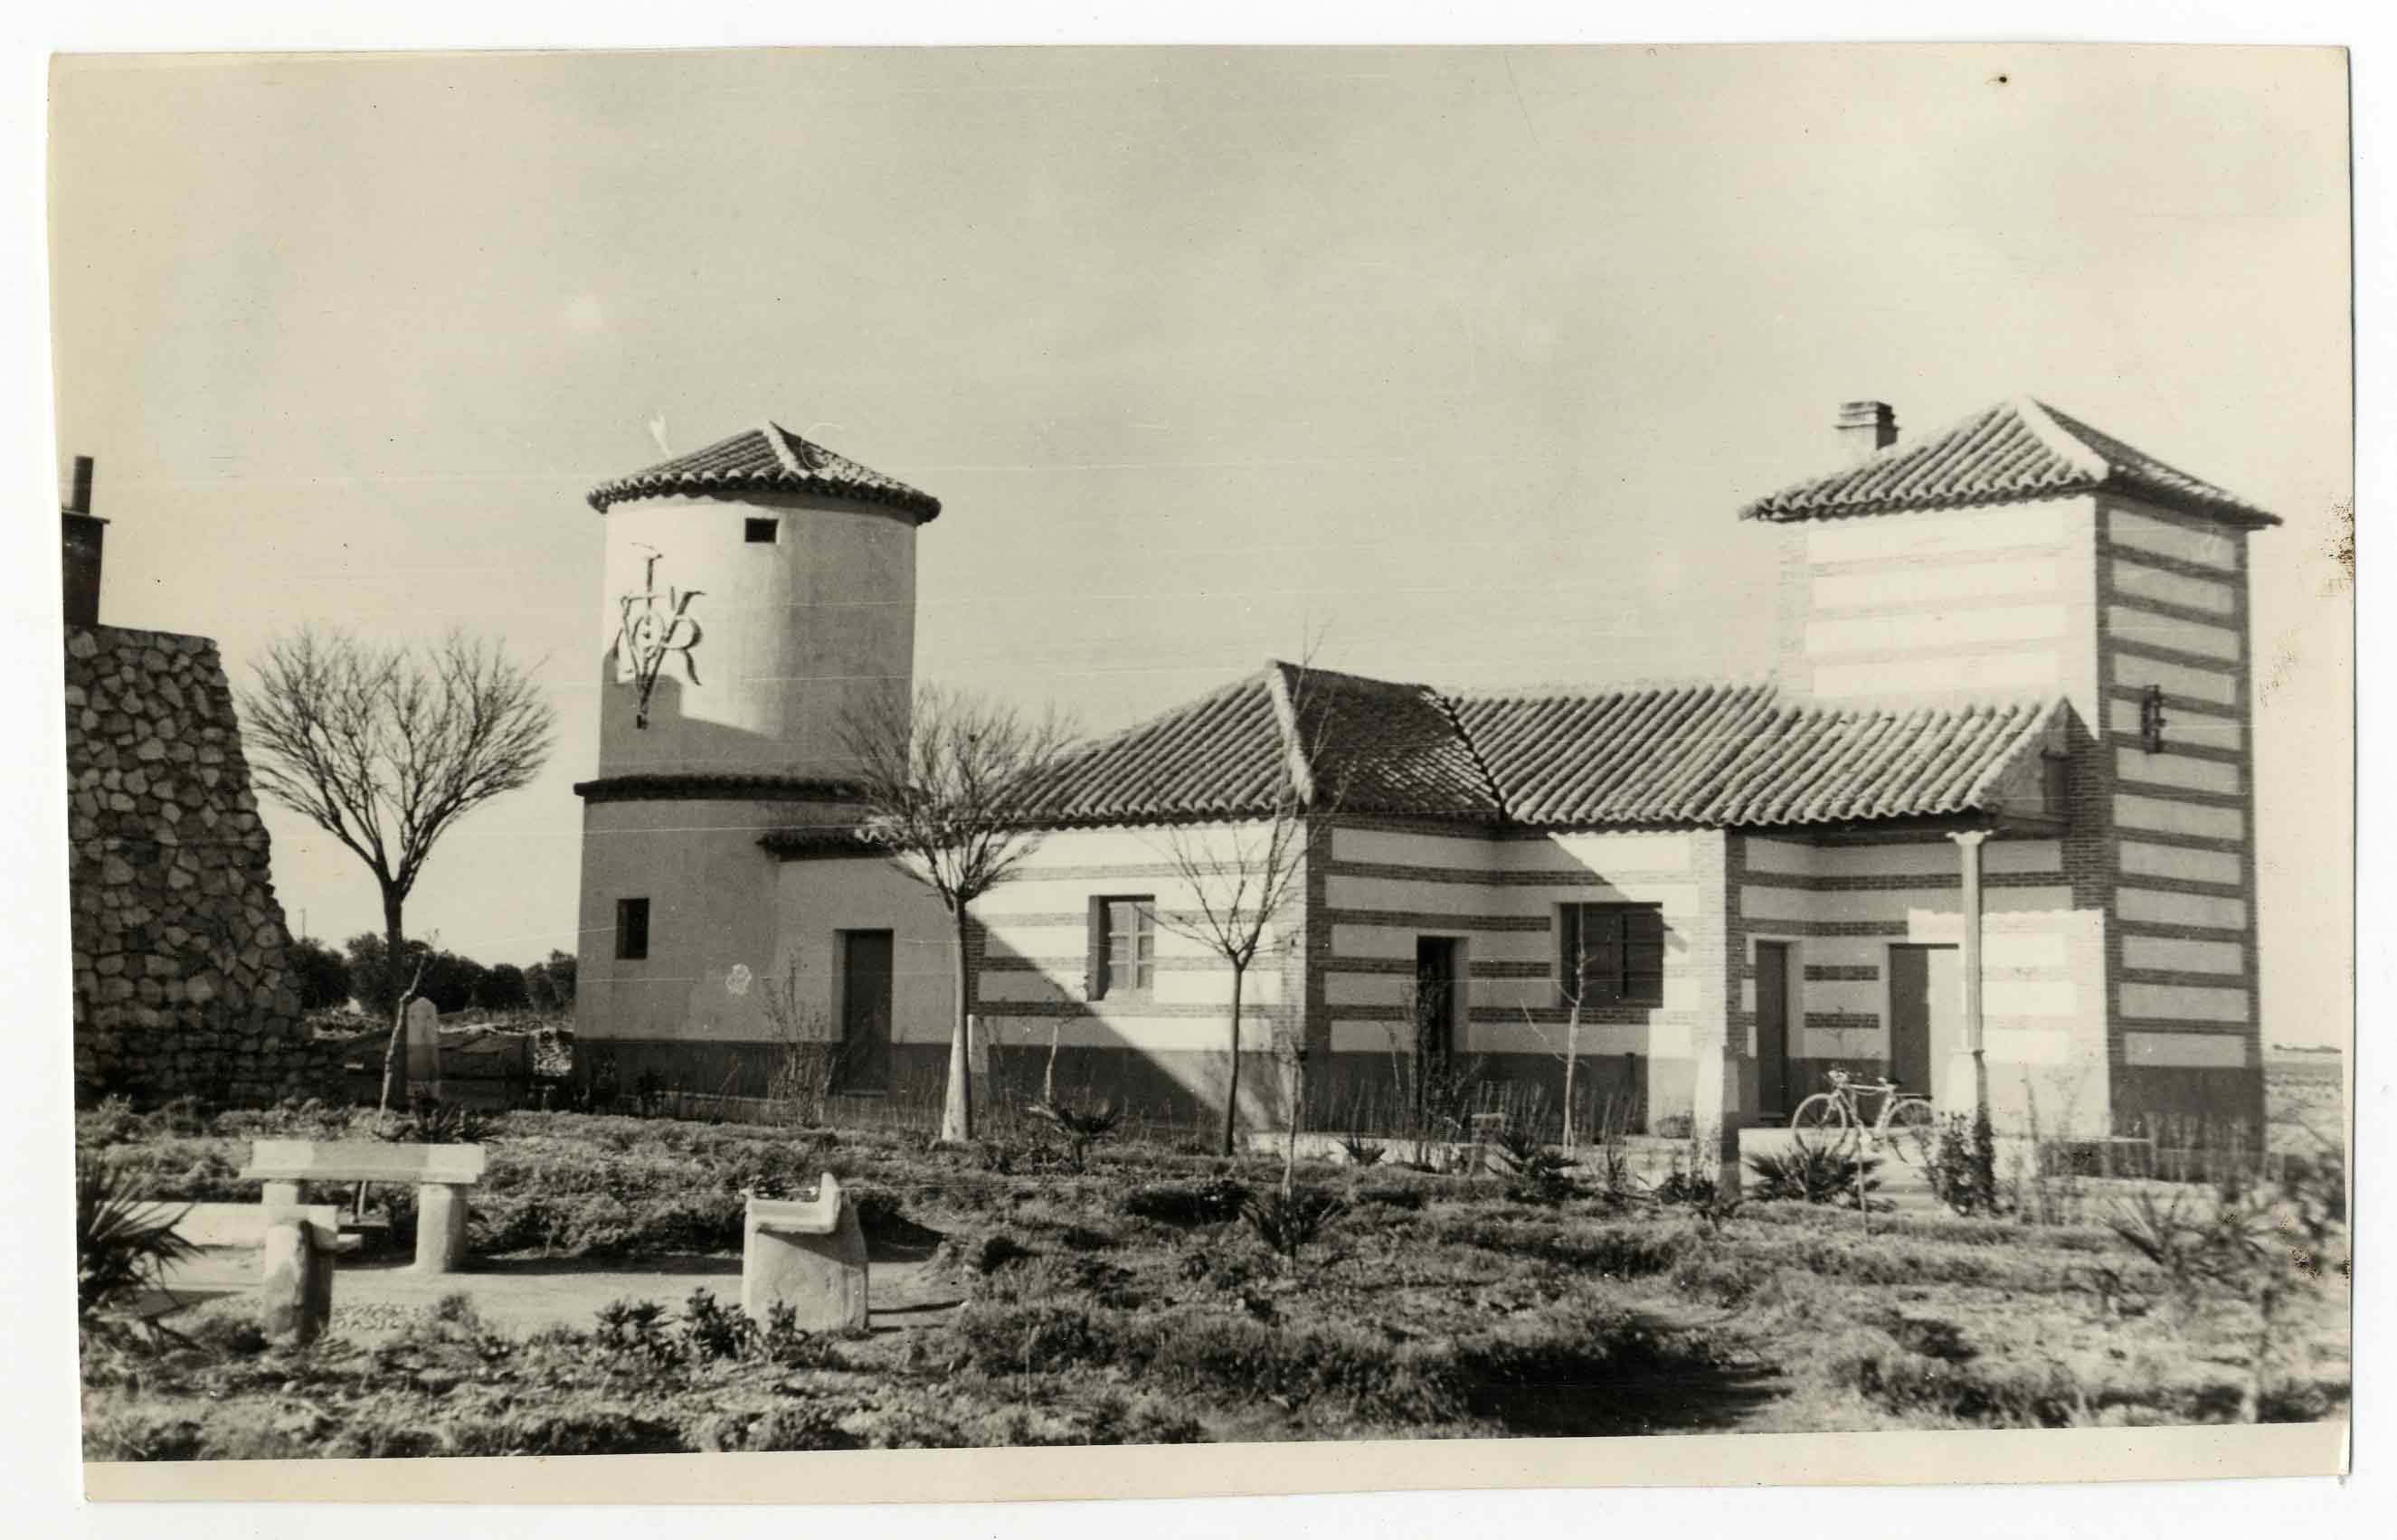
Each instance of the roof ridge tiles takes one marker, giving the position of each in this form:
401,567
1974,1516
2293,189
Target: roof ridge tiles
2017,450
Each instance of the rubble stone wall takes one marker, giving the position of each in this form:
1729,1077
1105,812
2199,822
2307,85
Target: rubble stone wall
180,981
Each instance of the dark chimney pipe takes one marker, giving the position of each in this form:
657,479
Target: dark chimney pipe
81,537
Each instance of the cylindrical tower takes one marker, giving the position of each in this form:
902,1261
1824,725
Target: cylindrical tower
757,593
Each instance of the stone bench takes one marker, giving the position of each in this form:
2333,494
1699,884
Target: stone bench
295,1295
808,1253
441,1173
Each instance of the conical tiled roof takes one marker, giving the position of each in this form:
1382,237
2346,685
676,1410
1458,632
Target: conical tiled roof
770,458
2014,452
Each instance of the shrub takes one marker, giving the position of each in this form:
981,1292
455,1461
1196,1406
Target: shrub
1076,1129
1815,1173
1288,1219
1541,1175
1952,1387
997,1251
1963,1170
1210,1203
1705,1198
428,1121
123,1245
1361,1152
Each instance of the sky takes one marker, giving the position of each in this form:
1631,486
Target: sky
1458,362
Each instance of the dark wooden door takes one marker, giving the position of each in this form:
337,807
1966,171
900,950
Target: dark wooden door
1435,1007
865,1010
1772,1072
1923,1004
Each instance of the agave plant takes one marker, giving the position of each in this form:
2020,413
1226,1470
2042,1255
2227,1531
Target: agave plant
123,1244
1815,1173
1078,1130
1289,1219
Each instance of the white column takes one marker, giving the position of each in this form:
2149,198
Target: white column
1966,1088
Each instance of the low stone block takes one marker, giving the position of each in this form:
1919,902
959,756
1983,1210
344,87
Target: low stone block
809,1254
296,1274
440,1228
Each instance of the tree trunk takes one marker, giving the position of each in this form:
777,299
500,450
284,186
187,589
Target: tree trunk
1572,1058
395,948
1297,1100
1232,1083
957,1108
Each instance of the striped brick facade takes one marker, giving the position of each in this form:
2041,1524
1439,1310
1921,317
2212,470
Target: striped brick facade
2095,597
2185,1038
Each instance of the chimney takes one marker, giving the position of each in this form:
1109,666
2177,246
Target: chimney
1867,427
81,536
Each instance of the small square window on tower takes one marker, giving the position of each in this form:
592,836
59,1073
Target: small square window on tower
761,532
632,928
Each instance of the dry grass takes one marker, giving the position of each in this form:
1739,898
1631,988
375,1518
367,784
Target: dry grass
1131,1301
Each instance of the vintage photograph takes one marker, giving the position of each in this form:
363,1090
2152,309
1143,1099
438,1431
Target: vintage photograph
812,750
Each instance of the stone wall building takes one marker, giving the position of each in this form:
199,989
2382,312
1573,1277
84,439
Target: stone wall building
178,942
1986,828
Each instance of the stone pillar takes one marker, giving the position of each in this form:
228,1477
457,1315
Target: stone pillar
1965,1089
295,1276
440,1227
809,1254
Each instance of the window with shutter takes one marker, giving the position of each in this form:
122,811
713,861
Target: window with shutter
1123,945
1616,950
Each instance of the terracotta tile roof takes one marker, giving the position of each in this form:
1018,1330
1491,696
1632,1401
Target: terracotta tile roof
1376,745
765,459
1698,754
2013,451
1723,756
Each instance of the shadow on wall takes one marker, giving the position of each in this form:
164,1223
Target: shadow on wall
674,740
1060,1042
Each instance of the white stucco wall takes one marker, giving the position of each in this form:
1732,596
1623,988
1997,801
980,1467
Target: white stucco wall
791,633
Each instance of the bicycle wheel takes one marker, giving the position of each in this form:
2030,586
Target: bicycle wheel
1911,1131
1821,1119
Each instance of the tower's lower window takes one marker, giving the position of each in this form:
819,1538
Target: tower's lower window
632,928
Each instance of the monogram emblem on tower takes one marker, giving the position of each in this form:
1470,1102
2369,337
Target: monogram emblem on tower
654,626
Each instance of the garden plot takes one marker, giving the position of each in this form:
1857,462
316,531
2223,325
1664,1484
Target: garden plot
1162,1294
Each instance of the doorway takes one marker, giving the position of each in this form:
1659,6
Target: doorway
1773,1073
1434,1011
1924,1004
864,1010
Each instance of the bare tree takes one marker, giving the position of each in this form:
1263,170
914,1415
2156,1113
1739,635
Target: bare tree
386,747
949,784
1243,877
1573,986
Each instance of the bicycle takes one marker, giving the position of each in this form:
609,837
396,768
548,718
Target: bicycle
1832,1117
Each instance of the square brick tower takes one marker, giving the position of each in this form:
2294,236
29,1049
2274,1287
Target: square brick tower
2021,553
